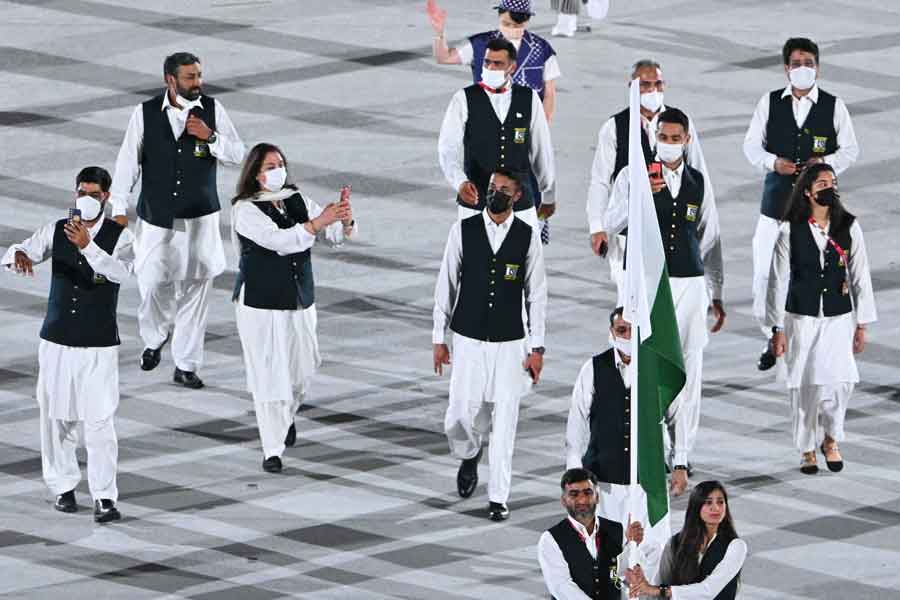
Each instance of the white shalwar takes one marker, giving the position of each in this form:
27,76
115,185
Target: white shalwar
78,388
487,379
615,501
175,267
766,233
821,367
600,191
691,297
281,348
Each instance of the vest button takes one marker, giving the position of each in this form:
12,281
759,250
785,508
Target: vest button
674,215
74,299
824,290
502,156
174,193
492,293
177,182
493,271
671,247
73,311
672,236
490,305
493,260
674,204
295,277
179,151
502,137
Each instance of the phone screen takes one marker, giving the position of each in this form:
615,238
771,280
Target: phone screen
74,215
655,170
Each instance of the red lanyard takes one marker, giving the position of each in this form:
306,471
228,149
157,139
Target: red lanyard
488,88
582,538
833,243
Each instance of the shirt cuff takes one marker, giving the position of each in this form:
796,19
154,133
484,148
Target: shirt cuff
92,250
535,341
596,225
437,336
769,162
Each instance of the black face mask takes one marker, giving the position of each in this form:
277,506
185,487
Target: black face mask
498,202
826,197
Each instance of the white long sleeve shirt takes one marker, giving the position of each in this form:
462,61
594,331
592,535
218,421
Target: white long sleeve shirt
446,291
578,426
605,162
707,226
228,147
710,587
116,267
253,224
859,280
540,151
755,139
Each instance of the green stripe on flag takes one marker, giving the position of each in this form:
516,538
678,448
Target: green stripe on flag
660,377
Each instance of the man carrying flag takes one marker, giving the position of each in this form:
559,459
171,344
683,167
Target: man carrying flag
674,257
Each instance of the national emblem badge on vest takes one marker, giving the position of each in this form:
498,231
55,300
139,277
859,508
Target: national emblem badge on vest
519,135
691,213
820,142
512,271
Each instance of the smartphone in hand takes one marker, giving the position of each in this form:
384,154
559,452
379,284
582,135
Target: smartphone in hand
604,247
74,215
654,169
345,192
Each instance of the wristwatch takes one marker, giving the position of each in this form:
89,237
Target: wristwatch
212,138
540,350
776,329
680,468
663,591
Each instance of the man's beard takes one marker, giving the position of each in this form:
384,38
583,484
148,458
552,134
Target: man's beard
587,514
189,93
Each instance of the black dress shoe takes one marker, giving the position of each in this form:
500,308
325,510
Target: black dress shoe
291,438
272,465
65,502
467,476
188,379
835,466
106,511
498,512
766,360
150,357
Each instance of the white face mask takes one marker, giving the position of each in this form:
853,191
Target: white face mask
802,78
652,101
275,179
493,79
623,346
669,153
89,206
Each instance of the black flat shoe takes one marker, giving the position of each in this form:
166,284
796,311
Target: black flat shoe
835,466
808,464
272,465
65,502
467,476
188,379
498,512
150,357
766,360
106,511
291,438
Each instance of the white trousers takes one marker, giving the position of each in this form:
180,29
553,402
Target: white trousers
274,419
59,439
487,381
691,300
615,255
183,305
819,410
529,215
764,239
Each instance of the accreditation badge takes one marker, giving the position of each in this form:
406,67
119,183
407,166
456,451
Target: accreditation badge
691,212
819,144
512,272
519,134
201,149
99,279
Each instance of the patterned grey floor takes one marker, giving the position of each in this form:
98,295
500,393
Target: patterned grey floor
366,507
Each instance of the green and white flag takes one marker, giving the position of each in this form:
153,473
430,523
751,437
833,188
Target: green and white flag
657,362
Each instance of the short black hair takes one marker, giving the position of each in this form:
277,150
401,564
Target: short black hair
179,59
802,44
577,475
618,311
97,175
674,115
511,175
518,17
503,44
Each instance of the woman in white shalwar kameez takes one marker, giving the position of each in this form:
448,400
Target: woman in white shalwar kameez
273,228
820,301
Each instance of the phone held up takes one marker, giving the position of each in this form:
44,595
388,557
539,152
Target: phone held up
654,169
74,215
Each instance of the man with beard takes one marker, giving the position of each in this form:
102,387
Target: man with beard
173,144
492,263
580,556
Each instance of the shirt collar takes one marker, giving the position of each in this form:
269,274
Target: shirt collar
582,529
490,222
813,94
166,104
95,228
678,171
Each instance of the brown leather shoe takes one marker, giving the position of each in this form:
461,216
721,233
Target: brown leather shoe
808,464
833,458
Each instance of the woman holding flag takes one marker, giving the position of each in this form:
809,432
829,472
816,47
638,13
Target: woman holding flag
819,302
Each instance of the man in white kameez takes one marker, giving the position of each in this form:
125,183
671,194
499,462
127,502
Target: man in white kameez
492,263
689,225
496,124
173,144
819,302
612,155
78,381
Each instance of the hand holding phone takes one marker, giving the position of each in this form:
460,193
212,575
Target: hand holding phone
657,182
74,215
